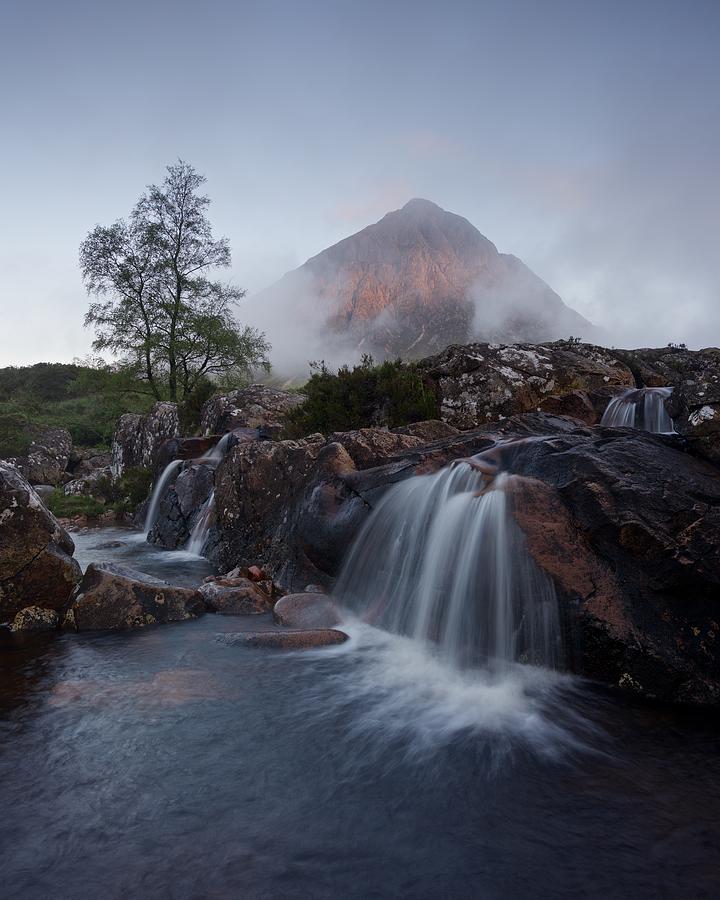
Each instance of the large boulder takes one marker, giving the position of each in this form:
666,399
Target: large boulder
257,406
113,596
480,383
628,527
36,564
138,439
47,459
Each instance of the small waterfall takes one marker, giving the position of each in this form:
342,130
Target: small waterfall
200,532
216,454
642,408
441,559
158,492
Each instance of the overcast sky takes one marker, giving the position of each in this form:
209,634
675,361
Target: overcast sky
582,136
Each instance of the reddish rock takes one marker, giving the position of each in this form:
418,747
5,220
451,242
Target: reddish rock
235,597
255,573
286,640
309,610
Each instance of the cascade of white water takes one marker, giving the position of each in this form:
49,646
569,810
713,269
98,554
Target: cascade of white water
441,559
205,520
199,533
642,408
158,492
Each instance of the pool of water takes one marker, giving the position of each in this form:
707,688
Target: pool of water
164,763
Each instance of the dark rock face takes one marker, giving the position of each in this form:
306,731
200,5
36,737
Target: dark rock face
137,439
255,407
308,610
235,597
419,279
36,564
113,596
48,456
479,383
285,640
695,401
628,527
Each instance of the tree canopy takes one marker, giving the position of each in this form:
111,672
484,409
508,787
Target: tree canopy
156,303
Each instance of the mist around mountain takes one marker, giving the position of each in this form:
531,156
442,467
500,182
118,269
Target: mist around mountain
419,279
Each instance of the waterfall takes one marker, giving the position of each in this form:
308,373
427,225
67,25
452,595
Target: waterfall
158,492
199,533
642,408
216,454
443,561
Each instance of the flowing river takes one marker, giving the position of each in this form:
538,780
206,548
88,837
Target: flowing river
163,763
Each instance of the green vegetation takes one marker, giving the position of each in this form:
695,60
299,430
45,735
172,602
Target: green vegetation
156,305
85,399
392,394
120,497
74,505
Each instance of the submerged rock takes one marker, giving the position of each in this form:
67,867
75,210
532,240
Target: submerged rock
308,610
285,640
235,597
36,564
112,596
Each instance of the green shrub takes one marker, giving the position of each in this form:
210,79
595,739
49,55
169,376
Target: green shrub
190,410
15,438
392,393
74,505
128,492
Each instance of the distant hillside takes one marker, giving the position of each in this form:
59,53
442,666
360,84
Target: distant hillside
414,282
85,400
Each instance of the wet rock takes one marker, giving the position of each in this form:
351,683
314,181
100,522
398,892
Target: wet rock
35,618
36,564
256,407
628,527
285,640
307,610
113,597
138,439
193,486
479,383
235,597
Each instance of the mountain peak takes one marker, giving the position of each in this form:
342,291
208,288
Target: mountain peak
420,205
